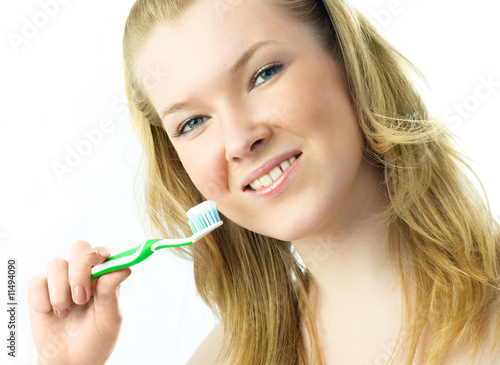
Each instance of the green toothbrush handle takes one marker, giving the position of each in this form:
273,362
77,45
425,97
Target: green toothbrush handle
125,259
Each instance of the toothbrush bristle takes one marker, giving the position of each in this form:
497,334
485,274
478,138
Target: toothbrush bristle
203,215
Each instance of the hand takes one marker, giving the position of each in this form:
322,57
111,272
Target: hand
74,320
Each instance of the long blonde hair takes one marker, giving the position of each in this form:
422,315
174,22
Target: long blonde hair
444,240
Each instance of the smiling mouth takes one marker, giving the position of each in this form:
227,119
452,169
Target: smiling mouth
267,179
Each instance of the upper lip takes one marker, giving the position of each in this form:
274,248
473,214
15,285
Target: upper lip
268,165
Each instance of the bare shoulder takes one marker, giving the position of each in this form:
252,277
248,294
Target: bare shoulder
207,352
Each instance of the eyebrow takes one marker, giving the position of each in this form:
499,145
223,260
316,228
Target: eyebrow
240,62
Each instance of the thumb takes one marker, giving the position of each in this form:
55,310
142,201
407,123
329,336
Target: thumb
106,298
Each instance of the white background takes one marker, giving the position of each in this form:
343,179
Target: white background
67,81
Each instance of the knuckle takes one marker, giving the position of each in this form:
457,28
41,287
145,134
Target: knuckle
34,286
79,273
59,303
57,263
81,244
36,283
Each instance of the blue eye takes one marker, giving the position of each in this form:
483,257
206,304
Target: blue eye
262,76
189,125
266,73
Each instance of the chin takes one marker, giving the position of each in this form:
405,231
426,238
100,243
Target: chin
296,229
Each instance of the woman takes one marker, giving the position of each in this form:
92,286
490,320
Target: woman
303,124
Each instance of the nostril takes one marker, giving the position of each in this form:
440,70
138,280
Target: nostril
243,142
255,144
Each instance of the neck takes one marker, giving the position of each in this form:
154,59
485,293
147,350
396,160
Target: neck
349,257
355,292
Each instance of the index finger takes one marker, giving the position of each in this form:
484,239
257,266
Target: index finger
79,272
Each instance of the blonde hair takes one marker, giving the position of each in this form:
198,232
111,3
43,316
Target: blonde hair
444,240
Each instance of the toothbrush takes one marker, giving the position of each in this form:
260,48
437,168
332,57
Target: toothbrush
203,219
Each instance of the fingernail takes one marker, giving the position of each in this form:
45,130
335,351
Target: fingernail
79,295
95,252
63,313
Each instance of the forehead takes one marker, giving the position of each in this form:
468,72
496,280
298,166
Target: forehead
214,27
207,39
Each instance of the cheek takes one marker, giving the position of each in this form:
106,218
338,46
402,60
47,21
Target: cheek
205,169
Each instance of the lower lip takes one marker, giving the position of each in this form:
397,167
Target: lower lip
278,185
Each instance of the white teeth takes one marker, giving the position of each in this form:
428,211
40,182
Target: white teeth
256,185
266,180
274,174
284,165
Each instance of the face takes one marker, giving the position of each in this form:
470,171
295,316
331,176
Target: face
260,117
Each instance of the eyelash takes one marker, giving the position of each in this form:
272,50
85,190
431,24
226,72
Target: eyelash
278,66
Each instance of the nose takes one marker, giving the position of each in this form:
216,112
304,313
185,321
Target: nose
244,135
